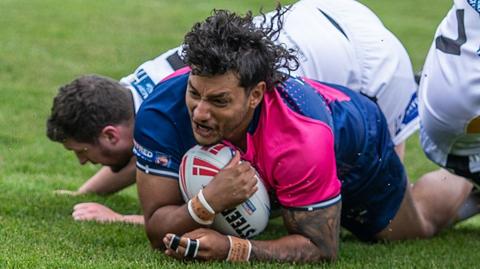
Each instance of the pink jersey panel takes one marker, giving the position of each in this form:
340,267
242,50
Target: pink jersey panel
294,155
330,94
180,71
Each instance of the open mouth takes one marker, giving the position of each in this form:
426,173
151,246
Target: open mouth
203,130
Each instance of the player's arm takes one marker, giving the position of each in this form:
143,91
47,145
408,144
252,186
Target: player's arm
105,181
166,212
314,237
163,207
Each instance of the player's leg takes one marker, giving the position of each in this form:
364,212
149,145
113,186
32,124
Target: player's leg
470,207
428,206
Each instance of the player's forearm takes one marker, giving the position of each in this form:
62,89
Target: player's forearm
168,219
314,237
292,248
106,182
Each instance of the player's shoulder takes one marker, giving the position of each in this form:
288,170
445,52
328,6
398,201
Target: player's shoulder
170,90
165,106
304,97
150,73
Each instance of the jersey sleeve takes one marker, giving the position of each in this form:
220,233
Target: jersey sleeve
151,72
305,173
156,144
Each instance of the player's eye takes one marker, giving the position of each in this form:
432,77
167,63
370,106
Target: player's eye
220,102
193,94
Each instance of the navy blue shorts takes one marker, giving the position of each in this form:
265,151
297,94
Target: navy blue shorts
373,185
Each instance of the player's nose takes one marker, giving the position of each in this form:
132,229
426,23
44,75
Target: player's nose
201,112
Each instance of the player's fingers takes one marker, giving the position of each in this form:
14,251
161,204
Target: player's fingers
183,246
252,182
171,241
234,161
79,216
192,248
84,205
253,191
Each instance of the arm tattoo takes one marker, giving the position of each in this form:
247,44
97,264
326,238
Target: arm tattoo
314,237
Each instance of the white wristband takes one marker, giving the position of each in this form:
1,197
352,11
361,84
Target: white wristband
194,215
204,202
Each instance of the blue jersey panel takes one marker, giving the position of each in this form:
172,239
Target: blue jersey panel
305,100
163,132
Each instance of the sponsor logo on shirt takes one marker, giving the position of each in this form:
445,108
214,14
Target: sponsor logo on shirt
155,157
143,84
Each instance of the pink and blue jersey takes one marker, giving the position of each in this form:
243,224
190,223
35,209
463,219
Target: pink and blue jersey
291,144
313,144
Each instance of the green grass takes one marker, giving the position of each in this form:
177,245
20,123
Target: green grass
46,43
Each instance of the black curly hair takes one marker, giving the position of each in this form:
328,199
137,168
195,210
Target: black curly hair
227,42
85,106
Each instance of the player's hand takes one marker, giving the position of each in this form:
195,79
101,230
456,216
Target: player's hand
232,186
211,245
95,212
67,192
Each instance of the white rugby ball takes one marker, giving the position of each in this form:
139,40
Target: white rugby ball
199,165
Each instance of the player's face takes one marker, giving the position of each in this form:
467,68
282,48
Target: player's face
219,108
98,153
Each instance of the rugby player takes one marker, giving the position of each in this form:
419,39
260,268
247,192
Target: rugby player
323,150
449,92
449,97
344,43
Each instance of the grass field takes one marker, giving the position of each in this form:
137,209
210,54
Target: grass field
46,43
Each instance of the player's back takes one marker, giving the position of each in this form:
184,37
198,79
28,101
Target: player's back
449,92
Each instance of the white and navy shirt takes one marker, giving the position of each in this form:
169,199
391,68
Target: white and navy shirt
142,82
449,90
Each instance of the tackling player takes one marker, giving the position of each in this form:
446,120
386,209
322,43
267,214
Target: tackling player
450,92
450,98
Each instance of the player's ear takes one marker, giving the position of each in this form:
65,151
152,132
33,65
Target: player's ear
256,94
110,134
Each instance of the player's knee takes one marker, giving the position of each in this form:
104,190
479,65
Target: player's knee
427,230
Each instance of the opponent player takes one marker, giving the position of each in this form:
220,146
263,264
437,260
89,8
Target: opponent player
450,92
299,134
344,43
